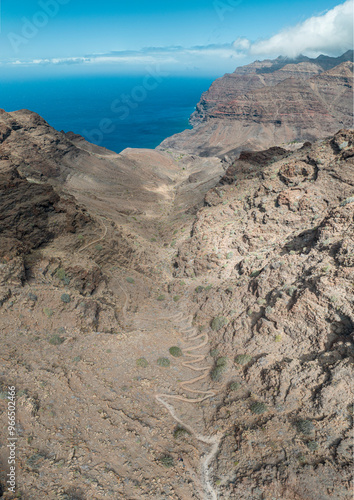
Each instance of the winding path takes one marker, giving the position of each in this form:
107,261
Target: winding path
210,492
98,240
214,441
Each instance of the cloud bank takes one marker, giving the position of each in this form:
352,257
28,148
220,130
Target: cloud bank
330,33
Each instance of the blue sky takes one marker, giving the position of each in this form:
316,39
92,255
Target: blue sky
198,36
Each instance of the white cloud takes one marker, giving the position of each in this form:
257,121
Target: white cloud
148,55
330,33
242,44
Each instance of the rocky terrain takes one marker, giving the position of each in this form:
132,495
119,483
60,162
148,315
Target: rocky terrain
177,327
268,103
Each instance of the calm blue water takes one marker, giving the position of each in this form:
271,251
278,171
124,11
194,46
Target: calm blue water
80,104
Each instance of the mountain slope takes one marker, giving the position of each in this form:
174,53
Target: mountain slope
269,103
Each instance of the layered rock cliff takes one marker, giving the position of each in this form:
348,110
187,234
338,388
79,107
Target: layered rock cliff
269,103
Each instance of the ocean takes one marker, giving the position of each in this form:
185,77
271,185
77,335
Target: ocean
115,112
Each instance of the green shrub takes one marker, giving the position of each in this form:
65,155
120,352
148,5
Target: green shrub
214,353
167,461
234,386
165,362
60,273
180,432
176,352
312,445
32,296
218,323
221,361
243,359
199,289
258,408
229,255
65,298
99,247
176,298
217,372
142,363
48,312
56,339
305,426
130,280
219,368
161,297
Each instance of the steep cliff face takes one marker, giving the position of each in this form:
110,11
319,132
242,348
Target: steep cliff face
271,102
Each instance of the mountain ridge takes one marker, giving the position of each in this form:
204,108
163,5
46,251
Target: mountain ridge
216,128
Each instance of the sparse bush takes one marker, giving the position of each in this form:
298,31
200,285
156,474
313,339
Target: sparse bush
217,372
176,352
56,339
219,368
161,298
221,361
254,274
304,426
165,362
180,432
167,461
214,353
48,312
312,445
218,323
99,247
142,363
32,296
199,289
130,280
65,298
60,273
229,255
234,386
176,298
258,408
243,359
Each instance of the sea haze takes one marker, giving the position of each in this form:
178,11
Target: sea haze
80,104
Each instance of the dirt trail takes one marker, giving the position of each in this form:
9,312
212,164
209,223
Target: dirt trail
206,459
209,490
